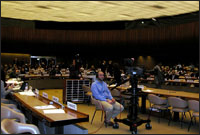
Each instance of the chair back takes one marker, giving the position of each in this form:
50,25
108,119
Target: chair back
7,113
177,102
97,103
5,101
115,92
155,99
11,106
9,126
86,88
193,105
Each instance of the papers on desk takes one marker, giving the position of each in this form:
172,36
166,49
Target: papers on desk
45,107
16,88
53,111
147,90
113,85
28,93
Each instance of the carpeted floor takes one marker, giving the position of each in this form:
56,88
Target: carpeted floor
157,128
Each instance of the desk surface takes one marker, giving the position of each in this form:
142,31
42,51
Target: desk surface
188,95
176,81
69,117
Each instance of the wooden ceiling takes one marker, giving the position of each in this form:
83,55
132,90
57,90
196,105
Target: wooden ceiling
93,11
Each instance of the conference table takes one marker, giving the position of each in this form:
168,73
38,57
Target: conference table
162,92
39,76
178,81
57,120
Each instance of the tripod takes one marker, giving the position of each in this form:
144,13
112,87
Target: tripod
132,120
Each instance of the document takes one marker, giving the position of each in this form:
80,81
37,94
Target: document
147,90
45,107
53,111
27,93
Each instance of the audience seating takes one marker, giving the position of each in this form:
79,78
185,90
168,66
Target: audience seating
157,103
11,106
194,107
88,92
98,108
7,113
178,105
9,126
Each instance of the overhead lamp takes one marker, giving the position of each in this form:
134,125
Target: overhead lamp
153,19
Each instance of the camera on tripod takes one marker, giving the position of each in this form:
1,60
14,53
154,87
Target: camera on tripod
132,120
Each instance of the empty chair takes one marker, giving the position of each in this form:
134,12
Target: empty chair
9,126
178,105
7,113
116,94
193,106
5,101
11,106
87,91
98,108
158,103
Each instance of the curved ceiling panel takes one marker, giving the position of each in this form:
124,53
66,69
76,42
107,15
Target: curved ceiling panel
82,11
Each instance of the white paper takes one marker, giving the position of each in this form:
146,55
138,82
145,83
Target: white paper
53,111
147,90
45,107
28,93
113,85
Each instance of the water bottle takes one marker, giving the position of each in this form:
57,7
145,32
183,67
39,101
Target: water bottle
26,86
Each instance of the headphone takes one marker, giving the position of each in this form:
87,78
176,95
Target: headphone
97,74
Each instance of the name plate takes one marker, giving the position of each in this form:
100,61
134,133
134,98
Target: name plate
72,105
55,99
45,95
36,91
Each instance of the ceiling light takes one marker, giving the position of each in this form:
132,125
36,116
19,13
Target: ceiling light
153,19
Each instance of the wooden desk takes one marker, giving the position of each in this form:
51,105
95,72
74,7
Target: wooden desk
52,120
174,81
168,93
163,92
43,76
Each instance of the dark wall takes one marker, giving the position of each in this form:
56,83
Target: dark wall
8,58
168,44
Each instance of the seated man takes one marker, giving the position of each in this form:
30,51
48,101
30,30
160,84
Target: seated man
101,92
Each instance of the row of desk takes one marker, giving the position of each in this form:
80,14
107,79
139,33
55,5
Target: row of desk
60,122
162,92
179,82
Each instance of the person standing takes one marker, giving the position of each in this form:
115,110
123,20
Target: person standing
103,67
158,76
110,68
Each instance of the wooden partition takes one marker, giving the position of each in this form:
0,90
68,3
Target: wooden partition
8,58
